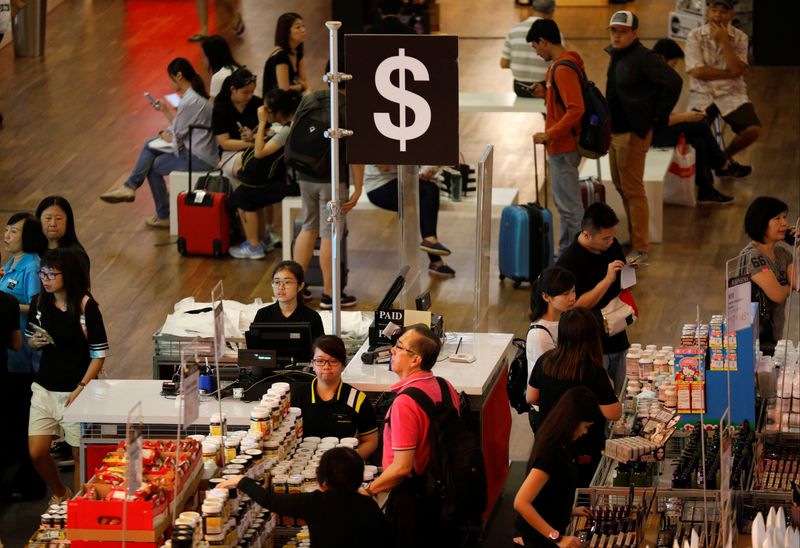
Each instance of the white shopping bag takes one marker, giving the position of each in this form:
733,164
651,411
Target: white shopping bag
679,186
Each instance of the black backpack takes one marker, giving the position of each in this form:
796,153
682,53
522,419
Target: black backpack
308,149
455,481
517,380
595,134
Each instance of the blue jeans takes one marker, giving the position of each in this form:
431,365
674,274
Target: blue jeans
154,165
617,369
567,195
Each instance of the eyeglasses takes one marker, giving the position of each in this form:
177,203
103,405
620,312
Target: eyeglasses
49,275
283,283
399,346
319,362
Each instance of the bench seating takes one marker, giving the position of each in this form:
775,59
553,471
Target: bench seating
655,167
291,208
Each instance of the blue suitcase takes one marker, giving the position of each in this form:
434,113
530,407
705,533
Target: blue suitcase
526,237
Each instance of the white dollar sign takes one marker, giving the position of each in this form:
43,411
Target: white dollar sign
405,99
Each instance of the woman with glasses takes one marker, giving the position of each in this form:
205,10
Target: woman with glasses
287,287
332,407
65,323
24,242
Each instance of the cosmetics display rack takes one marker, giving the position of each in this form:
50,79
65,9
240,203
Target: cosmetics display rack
654,517
618,517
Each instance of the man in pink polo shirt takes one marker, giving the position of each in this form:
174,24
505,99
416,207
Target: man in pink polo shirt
406,450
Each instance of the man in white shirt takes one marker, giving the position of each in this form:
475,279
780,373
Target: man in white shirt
716,61
526,66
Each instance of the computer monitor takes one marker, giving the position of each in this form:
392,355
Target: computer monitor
291,341
394,290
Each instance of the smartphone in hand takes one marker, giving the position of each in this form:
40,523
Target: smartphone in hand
151,100
41,330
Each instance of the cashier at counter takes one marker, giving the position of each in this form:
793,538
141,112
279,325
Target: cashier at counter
287,287
332,407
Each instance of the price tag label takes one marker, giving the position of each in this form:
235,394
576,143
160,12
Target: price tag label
190,392
737,303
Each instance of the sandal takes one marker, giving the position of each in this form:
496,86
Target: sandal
197,37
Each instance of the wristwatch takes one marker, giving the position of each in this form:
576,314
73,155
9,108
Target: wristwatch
554,535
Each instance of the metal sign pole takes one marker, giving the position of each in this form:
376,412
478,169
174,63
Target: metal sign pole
408,213
335,133
483,241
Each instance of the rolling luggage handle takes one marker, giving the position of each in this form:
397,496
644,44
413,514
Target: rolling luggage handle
536,173
193,127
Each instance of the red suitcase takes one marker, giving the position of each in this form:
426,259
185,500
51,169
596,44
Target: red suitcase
203,223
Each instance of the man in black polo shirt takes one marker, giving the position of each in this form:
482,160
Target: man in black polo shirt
595,258
332,407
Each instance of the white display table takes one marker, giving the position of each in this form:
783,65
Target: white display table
498,102
484,382
474,379
103,420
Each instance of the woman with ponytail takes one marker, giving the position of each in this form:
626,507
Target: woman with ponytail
170,150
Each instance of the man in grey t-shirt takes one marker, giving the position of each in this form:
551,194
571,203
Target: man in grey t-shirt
526,66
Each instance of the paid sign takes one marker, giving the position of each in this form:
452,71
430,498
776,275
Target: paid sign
402,104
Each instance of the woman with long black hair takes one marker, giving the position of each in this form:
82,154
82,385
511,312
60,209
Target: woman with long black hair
170,151
65,323
544,500
220,61
235,117
58,225
577,360
284,66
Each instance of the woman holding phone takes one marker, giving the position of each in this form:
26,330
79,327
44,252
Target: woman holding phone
235,117
170,150
65,323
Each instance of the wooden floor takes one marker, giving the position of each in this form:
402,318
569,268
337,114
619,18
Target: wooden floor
76,119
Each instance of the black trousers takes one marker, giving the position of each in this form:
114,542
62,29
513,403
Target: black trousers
699,135
385,197
18,406
414,518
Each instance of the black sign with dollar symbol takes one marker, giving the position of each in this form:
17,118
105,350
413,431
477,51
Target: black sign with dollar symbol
402,103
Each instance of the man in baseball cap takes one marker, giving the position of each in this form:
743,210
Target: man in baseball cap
716,61
641,91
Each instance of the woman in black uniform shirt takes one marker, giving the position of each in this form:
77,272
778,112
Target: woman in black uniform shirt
287,286
332,407
544,500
